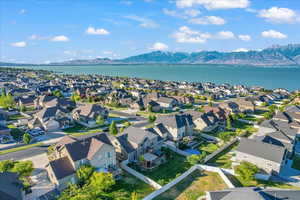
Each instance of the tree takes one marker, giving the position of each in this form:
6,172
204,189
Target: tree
196,159
84,173
24,168
75,97
6,165
210,104
228,123
57,93
134,196
100,120
26,138
102,181
192,159
113,130
22,108
151,118
226,136
246,171
150,108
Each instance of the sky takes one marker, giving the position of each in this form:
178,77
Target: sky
43,31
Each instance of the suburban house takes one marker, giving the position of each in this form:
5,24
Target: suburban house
167,103
87,114
177,126
267,157
218,111
230,106
135,143
50,101
279,133
71,153
27,101
51,118
245,105
11,188
253,193
205,122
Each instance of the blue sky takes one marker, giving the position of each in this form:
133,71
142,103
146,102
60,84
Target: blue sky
41,31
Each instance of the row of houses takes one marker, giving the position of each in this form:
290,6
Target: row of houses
276,141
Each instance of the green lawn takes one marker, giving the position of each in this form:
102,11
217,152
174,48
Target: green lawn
165,173
223,159
129,184
238,182
15,117
194,186
20,148
296,163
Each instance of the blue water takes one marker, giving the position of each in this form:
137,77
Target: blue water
192,151
269,77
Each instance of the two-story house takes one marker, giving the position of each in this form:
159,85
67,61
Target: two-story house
70,154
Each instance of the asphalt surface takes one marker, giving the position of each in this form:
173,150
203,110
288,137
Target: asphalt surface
19,155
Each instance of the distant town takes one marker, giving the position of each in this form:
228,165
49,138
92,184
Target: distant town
92,137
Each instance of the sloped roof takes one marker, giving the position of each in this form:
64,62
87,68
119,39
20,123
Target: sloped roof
62,167
10,186
261,149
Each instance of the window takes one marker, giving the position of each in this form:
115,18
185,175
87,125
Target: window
108,155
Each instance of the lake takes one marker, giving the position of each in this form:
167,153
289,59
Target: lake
269,77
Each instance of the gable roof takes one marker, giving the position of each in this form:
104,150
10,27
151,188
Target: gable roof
87,147
62,167
246,193
137,135
261,149
175,121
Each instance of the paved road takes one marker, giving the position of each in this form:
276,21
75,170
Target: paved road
141,124
127,115
19,155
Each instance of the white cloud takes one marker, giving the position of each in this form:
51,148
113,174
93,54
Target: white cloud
214,4
144,22
224,35
60,38
22,11
37,37
208,20
96,31
279,15
184,15
241,50
273,34
19,44
187,35
245,37
192,12
158,46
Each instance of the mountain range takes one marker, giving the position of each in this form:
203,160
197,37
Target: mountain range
275,55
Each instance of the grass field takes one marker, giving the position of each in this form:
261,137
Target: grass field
129,184
194,186
238,182
165,173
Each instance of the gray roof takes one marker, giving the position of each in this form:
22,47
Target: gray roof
138,135
10,186
62,167
175,121
261,149
245,193
80,149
